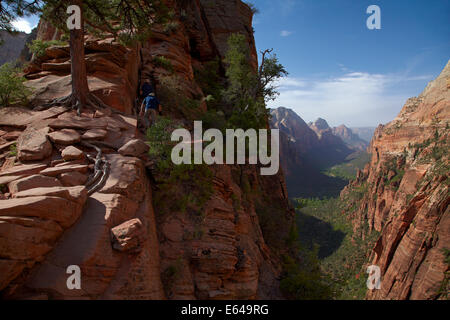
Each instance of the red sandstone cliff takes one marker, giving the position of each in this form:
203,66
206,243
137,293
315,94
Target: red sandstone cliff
126,246
406,196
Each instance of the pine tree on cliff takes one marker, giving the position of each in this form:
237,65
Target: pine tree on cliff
126,20
249,90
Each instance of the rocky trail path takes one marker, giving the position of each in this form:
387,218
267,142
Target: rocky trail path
75,193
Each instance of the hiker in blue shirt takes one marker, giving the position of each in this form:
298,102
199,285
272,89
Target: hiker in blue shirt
148,108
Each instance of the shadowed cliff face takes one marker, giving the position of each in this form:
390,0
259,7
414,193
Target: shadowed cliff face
350,138
308,150
296,138
11,48
126,245
406,197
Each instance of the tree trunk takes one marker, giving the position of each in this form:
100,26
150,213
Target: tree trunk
80,88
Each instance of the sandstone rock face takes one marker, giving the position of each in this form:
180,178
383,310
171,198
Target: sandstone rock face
407,197
31,224
228,17
225,255
319,125
222,254
112,71
200,39
106,273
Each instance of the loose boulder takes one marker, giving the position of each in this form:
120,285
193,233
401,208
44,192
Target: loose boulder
71,153
129,236
65,137
33,145
134,148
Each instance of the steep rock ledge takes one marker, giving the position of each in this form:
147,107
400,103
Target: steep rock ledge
404,195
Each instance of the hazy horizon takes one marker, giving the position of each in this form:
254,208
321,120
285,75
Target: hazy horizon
329,123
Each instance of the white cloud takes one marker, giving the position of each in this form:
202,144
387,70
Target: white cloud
22,25
354,98
285,33
291,82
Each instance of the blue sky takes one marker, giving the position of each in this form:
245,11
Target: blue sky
344,72
339,69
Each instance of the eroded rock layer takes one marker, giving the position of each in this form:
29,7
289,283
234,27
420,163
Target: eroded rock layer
405,197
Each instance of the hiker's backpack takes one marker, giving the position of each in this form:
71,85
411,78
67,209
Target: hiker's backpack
151,102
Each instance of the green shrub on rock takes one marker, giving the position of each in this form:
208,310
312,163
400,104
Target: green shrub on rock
38,47
12,87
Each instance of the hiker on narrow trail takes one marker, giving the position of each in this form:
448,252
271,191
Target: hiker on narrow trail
148,110
149,106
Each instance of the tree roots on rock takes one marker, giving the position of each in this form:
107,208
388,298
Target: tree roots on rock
71,101
101,170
